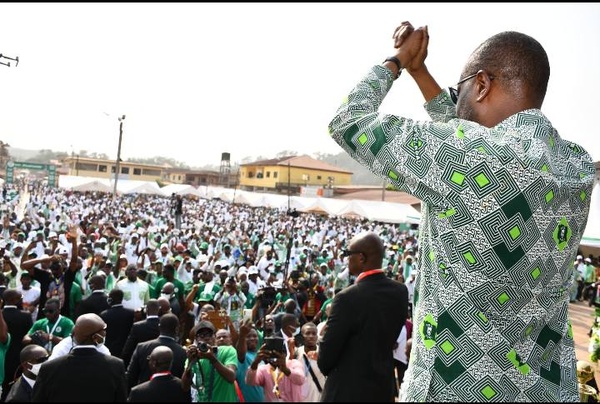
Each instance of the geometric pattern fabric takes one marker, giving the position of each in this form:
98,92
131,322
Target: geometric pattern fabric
503,212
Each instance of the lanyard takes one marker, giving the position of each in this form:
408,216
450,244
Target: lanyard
277,375
50,332
368,273
159,374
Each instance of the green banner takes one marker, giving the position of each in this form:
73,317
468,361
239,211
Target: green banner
11,165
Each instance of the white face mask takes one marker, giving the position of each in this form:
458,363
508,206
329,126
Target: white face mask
100,344
166,296
35,368
296,332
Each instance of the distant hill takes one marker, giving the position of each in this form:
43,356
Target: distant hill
360,176
22,154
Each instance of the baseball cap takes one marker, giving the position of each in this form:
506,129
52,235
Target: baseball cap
253,270
204,324
579,257
204,245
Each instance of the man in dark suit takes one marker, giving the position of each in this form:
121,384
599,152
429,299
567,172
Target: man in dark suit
365,321
97,301
119,321
138,370
162,387
32,356
85,374
142,331
18,323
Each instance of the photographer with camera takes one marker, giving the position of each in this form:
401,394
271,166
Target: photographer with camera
210,370
281,379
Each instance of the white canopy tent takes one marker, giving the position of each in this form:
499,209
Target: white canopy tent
96,185
389,212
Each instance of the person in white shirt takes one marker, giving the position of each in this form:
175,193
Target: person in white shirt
265,264
31,294
254,281
66,345
136,292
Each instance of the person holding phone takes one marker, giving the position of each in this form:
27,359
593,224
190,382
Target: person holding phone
281,379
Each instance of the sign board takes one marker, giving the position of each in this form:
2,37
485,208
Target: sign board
12,165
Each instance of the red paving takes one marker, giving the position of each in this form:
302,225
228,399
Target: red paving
582,317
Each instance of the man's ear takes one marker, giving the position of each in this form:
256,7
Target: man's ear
483,83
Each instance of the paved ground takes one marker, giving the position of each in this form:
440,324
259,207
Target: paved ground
582,317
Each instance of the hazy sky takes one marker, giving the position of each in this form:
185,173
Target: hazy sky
195,80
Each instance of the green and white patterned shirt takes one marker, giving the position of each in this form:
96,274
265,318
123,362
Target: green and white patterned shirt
503,211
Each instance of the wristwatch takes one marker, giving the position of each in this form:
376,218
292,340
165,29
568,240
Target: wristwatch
396,61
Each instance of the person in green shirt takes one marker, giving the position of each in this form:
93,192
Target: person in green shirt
49,331
210,371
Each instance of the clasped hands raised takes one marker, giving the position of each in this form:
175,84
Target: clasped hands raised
411,46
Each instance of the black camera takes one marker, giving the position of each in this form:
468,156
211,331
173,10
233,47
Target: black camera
204,347
275,344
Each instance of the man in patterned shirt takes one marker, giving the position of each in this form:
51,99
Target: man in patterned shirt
505,201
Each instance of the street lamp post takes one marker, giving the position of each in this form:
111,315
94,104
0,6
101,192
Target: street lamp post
117,166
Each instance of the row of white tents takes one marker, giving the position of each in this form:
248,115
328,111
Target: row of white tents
382,211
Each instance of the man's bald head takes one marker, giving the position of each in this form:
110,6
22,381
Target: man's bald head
97,282
161,358
11,297
165,306
86,327
152,307
370,248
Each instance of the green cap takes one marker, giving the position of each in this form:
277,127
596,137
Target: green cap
204,245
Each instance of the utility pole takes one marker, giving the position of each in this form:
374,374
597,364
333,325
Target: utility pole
117,166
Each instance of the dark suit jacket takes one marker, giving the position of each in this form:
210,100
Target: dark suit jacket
18,323
118,321
138,370
84,375
356,352
141,331
20,392
163,389
94,303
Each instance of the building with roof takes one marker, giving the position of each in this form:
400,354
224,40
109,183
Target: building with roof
293,174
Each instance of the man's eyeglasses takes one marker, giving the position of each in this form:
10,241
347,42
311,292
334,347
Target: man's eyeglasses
348,252
454,90
204,334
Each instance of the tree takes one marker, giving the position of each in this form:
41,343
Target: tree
286,153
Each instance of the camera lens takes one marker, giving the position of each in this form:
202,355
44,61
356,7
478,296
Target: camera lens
203,347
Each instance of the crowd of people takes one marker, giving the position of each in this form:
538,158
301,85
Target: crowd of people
196,297
147,298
